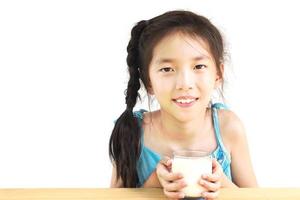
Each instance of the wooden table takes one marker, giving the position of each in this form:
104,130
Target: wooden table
142,194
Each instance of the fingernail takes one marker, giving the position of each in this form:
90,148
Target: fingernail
204,176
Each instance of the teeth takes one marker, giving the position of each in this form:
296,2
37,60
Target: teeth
185,100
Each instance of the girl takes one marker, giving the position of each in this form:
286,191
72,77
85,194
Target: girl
178,57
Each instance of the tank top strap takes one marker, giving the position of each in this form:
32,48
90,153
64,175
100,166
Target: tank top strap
219,106
215,107
139,115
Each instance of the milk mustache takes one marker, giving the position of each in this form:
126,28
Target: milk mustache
192,164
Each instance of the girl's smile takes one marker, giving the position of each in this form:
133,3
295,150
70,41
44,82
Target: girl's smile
185,101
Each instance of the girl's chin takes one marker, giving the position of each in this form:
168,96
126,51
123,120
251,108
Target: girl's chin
186,116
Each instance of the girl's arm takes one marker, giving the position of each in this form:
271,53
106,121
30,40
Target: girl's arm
152,181
242,170
241,166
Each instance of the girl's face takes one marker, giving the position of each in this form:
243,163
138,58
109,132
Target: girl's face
183,75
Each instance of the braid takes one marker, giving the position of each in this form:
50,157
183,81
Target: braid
124,144
134,63
133,87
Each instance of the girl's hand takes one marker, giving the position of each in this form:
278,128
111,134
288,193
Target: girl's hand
172,183
212,182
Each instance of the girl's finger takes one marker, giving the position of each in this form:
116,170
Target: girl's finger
163,173
174,195
214,162
175,186
210,186
171,176
163,182
211,177
210,195
166,161
216,167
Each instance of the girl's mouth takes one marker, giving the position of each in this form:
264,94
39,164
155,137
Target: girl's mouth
185,102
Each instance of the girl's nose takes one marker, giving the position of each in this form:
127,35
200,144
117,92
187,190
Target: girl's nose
185,81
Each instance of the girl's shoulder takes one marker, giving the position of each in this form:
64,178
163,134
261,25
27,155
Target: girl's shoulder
232,128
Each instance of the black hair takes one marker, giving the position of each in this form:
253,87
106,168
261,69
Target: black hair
125,140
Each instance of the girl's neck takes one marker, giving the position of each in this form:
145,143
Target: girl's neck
183,132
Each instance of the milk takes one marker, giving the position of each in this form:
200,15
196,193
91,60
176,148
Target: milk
192,168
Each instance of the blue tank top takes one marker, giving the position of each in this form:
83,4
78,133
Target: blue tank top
149,158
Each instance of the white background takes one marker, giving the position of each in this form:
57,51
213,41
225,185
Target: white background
63,74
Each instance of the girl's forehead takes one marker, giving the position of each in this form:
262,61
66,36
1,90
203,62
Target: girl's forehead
182,44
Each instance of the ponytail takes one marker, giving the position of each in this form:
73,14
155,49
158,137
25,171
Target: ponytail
124,143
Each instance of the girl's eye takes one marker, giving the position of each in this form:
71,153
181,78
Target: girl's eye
166,69
199,66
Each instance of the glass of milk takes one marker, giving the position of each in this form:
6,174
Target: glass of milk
192,164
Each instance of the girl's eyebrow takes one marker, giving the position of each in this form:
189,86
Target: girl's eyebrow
164,60
202,57
170,60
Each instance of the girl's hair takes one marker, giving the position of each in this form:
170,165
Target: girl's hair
125,141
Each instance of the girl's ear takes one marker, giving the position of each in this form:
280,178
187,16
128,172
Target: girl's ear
219,77
150,90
